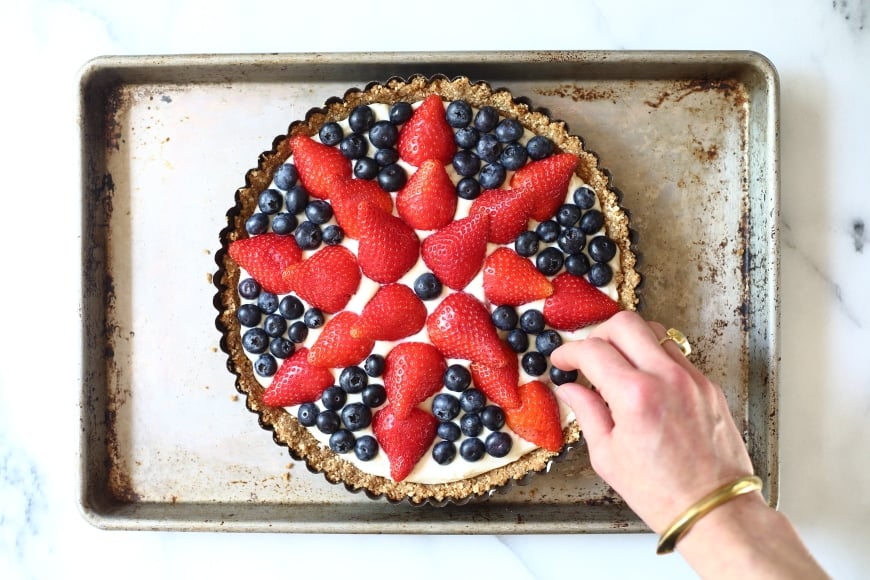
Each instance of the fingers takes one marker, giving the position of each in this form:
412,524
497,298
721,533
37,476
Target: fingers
635,339
591,411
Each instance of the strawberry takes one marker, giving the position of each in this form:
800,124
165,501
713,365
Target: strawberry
499,383
508,212
297,381
404,440
576,303
455,253
327,279
413,372
346,199
460,327
388,247
336,346
427,135
537,419
321,168
508,278
428,201
545,183
265,257
394,312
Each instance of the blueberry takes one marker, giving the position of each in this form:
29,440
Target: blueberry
492,176
297,332
374,395
492,417
331,134
571,240
471,425
518,340
427,286
513,156
592,221
328,421
333,398
548,341
526,244
249,315
532,321
255,340
467,137
444,452
488,148
560,377
366,168
472,449
307,414
385,157
468,188
392,177
577,264
584,197
548,231
568,214
313,318
265,365
383,135
270,201
486,119
354,146
296,198
600,274
449,431
249,288
374,365
290,307
466,163
550,261
540,147
602,249
333,235
509,130
275,325
472,400
505,317
280,347
318,211
445,407
400,112
356,416
458,114
342,441
498,444
286,176
534,363
353,379
284,223
366,448
308,235
258,223
456,378
361,119
267,302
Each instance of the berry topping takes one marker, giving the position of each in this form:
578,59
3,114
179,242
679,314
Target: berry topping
327,279
455,253
388,247
499,382
472,449
457,378
412,374
576,303
602,249
508,212
333,398
428,200
427,286
342,441
508,278
404,440
356,416
460,327
374,365
321,168
353,379
427,135
445,407
394,312
444,452
265,257
537,418
297,381
366,448
498,444
545,183
336,346
345,203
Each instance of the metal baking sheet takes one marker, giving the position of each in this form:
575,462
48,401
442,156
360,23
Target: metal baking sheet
691,139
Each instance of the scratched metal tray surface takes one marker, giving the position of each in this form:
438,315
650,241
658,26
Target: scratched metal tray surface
691,141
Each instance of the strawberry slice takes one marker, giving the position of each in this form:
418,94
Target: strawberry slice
322,169
327,279
388,247
297,381
576,303
460,327
499,383
346,199
537,418
404,440
393,313
336,346
427,135
508,212
455,253
413,372
265,257
545,183
428,201
508,278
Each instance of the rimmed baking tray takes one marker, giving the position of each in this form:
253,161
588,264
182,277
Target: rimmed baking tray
691,139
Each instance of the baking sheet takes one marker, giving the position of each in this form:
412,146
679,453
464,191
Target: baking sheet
691,139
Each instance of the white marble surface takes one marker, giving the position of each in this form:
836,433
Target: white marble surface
822,51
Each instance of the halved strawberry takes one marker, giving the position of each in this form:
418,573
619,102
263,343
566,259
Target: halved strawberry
576,303
413,372
326,279
265,257
394,312
388,247
499,383
537,418
428,201
346,199
508,278
455,253
336,346
297,381
427,135
404,440
545,183
508,212
461,327
321,168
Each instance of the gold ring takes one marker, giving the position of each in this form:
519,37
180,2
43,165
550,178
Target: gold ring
679,339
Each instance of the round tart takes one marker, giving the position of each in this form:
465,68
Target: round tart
395,274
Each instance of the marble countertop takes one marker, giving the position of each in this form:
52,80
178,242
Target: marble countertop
821,50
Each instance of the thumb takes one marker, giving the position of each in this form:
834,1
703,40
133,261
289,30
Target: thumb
592,412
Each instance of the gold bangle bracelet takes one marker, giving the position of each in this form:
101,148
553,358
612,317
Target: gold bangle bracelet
705,505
